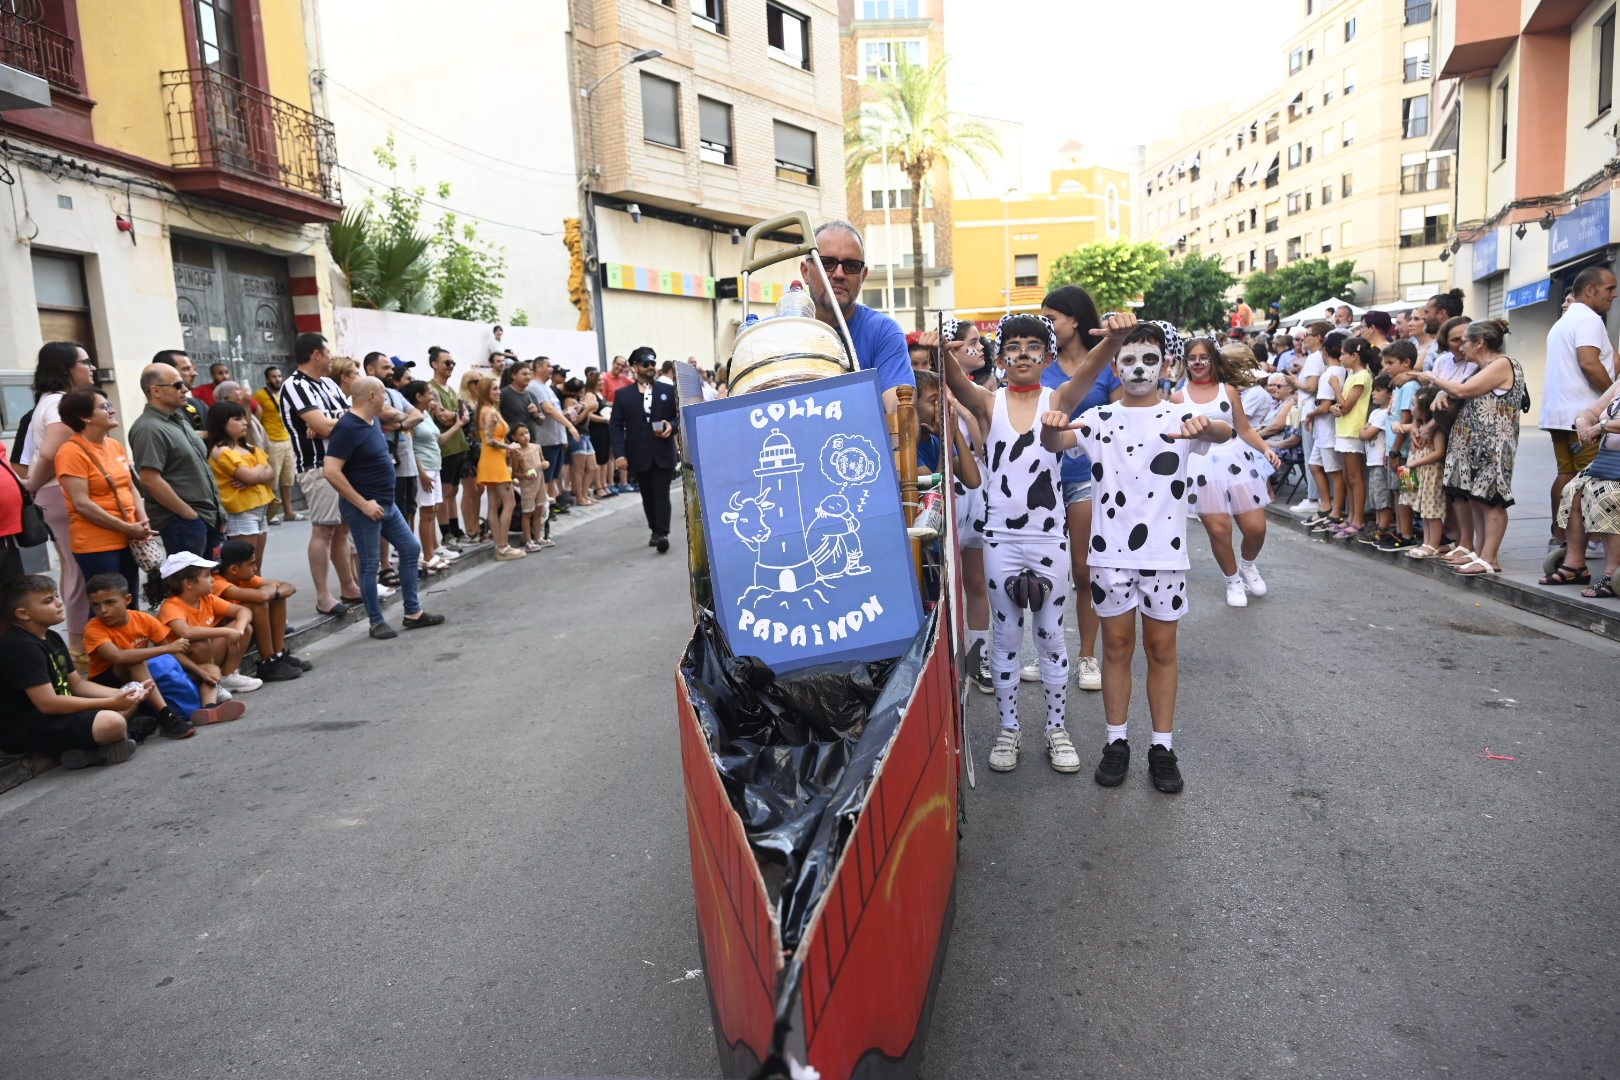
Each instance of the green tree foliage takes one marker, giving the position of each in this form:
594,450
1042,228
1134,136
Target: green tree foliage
394,264
909,121
1303,283
1190,293
519,318
1115,272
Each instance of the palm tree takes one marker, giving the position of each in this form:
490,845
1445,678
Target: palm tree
910,120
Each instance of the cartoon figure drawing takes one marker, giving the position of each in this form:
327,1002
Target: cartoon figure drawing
795,563
834,538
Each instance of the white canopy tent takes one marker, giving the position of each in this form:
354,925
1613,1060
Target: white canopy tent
1323,311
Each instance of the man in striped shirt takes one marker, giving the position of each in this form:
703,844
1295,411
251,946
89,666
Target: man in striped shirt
310,406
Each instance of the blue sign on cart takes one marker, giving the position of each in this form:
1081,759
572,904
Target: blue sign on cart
808,553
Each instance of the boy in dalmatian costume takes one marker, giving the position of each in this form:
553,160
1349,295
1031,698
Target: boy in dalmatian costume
1025,547
1139,448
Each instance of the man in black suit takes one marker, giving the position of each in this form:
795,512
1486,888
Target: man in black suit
646,416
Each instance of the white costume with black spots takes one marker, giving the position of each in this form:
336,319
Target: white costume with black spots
1024,532
1140,500
1231,477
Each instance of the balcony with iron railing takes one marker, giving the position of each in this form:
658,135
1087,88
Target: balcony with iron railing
232,141
28,44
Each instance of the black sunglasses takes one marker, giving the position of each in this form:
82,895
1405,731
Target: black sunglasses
646,363
851,266
173,385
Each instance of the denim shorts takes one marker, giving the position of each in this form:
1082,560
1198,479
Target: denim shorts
1076,491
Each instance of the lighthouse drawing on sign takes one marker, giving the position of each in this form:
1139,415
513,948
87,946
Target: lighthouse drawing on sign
782,563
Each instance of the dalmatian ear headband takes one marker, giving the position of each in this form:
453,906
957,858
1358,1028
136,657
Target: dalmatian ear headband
1051,331
1175,346
949,328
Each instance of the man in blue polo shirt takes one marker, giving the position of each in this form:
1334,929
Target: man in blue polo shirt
879,341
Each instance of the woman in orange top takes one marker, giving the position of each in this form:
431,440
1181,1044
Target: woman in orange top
495,468
105,511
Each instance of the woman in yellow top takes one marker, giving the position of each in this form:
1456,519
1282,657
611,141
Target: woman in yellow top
243,473
1359,357
495,467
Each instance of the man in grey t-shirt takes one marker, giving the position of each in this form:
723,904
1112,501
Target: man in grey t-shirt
555,430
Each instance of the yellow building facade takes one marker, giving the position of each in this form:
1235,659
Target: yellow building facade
1004,248
178,179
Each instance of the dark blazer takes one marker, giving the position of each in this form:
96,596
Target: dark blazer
633,437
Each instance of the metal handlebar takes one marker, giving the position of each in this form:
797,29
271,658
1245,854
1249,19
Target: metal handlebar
807,244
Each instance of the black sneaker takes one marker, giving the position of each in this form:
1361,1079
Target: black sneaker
110,754
174,726
1162,769
276,669
1116,762
1389,541
1401,543
980,667
383,632
141,726
662,544
297,661
1368,535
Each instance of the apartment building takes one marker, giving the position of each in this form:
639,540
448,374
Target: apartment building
1336,160
1528,94
1005,246
696,119
171,193
875,37
503,140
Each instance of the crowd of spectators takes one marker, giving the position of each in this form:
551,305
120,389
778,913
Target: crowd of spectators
160,525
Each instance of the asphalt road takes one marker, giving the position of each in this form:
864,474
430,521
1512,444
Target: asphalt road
462,854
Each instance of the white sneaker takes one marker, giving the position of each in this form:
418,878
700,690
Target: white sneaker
448,553
221,694
1252,579
1595,549
1090,673
385,591
1060,751
1236,594
1004,755
1307,506
1030,673
237,683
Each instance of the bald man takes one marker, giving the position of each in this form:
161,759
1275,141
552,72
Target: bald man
182,497
360,467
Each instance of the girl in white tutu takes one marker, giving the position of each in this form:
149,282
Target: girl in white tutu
1233,479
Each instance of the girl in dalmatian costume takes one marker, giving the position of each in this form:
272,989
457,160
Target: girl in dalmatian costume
1139,448
1232,479
1025,547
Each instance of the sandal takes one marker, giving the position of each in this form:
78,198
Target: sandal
1477,567
1459,556
389,577
1422,551
339,608
1603,589
1567,575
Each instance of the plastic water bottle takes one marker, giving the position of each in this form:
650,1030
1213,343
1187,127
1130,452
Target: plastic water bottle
753,317
797,302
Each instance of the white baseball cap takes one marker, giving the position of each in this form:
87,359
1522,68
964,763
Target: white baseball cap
179,561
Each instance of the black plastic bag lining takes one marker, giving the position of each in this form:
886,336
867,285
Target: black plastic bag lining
797,753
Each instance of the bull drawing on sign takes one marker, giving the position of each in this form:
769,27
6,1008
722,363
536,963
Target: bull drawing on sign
747,519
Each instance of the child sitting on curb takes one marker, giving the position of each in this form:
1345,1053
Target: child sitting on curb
124,645
217,629
237,580
46,706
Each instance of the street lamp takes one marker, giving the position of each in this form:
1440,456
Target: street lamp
589,174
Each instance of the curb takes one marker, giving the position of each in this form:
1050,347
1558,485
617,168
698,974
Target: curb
1536,601
16,770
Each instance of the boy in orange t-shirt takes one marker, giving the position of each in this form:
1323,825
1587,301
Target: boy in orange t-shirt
238,581
120,641
217,629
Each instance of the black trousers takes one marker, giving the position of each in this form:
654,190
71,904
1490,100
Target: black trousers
654,484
